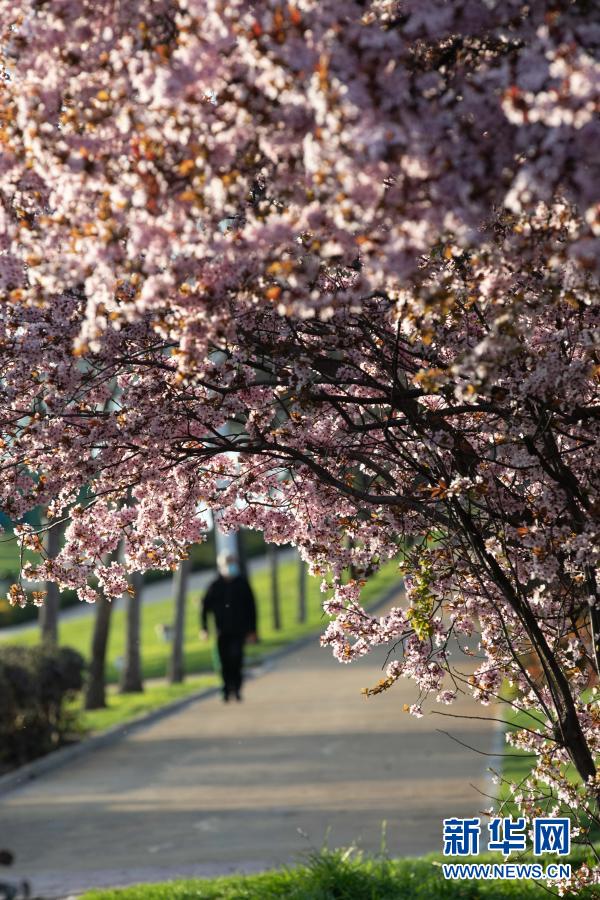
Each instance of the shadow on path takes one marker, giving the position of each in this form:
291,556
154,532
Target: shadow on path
215,788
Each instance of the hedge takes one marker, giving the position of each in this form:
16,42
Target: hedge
35,684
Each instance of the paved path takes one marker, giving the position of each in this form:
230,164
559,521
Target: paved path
217,788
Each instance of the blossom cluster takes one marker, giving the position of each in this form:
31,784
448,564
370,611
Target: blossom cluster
329,269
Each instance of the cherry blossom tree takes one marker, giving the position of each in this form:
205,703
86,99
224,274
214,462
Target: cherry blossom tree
330,269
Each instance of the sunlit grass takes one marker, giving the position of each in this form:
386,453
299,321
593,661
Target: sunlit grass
199,655
517,763
340,875
126,707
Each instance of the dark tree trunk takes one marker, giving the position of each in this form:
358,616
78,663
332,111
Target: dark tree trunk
48,613
180,585
95,693
568,730
301,591
275,600
131,674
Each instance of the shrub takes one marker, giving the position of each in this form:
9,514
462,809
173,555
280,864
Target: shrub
35,682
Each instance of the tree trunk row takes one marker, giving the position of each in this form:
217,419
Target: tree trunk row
131,680
48,612
180,585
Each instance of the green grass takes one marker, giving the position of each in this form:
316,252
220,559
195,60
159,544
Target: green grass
10,555
199,655
202,555
338,875
126,707
517,766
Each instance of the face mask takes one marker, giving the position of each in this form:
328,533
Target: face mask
233,569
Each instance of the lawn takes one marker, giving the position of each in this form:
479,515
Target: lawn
77,633
202,555
9,555
339,875
517,764
127,707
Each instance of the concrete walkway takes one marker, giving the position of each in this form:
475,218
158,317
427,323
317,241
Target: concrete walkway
217,788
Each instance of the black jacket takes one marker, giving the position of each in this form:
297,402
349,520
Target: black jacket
231,602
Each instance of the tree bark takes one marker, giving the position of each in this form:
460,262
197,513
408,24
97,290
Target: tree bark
48,613
301,591
568,730
180,585
95,692
275,600
131,674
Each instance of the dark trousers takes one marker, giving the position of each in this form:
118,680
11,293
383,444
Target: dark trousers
231,655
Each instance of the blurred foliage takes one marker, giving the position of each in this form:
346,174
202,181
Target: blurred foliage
344,875
202,556
35,685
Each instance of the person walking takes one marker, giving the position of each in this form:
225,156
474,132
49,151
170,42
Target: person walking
230,601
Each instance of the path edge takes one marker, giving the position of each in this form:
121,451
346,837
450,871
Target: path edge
32,770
